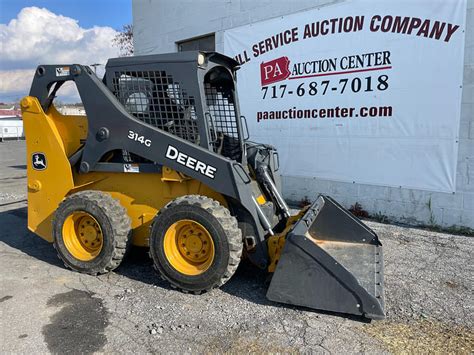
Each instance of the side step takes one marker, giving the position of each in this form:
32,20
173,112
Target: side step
331,261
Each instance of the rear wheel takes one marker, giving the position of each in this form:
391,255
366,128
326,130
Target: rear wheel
195,243
91,232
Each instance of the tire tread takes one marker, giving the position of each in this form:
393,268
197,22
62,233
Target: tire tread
228,223
119,221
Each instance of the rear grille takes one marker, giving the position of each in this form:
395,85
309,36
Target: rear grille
222,122
156,99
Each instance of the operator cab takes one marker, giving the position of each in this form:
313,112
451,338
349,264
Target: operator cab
190,95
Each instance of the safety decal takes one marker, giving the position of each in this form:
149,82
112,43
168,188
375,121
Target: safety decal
131,168
62,71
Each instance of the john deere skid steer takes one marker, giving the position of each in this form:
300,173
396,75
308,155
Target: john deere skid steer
162,160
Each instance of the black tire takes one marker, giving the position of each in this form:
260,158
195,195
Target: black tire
225,234
115,227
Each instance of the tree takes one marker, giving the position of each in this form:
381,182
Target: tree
124,41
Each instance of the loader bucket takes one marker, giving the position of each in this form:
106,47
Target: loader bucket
331,261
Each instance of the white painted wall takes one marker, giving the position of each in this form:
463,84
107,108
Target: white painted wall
159,24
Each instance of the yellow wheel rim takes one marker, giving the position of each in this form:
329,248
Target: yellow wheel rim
82,236
189,247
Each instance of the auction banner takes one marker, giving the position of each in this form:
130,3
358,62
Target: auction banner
360,91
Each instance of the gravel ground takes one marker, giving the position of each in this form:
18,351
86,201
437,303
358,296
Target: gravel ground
47,308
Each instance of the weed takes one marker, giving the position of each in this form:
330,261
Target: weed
432,220
305,201
451,230
357,210
379,217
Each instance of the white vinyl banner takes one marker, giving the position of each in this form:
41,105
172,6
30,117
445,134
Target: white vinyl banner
360,91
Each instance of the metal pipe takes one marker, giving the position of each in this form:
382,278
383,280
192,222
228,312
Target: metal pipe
263,219
267,180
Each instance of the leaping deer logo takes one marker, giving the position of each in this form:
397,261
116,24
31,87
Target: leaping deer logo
39,161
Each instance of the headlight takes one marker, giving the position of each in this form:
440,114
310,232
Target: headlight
201,59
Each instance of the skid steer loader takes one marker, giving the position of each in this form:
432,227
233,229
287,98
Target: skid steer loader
162,159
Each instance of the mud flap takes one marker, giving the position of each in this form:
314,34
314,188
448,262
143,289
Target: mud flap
331,261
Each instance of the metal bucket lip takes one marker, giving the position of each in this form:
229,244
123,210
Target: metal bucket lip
298,243
371,307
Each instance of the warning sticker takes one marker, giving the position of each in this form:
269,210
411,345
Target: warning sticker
62,71
131,168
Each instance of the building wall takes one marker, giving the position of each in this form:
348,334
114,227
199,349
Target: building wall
159,24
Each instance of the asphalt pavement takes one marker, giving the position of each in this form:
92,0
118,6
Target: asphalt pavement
44,307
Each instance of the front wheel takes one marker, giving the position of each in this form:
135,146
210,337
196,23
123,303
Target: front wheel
195,243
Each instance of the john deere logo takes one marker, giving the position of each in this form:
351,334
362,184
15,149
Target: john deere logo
38,161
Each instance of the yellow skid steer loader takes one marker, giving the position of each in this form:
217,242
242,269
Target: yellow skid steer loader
163,160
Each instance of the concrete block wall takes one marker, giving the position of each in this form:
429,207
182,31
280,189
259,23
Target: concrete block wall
159,24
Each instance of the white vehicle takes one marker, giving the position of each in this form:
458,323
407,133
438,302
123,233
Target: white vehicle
11,127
